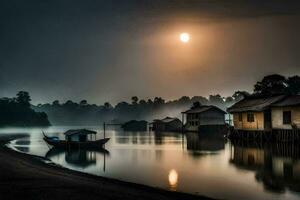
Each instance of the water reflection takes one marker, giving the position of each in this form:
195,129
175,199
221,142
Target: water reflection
22,145
201,145
173,179
276,166
206,163
78,157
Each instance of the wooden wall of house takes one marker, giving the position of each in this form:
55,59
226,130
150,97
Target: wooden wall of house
175,125
258,123
277,117
194,117
211,117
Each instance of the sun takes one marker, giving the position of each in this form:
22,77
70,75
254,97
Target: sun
184,37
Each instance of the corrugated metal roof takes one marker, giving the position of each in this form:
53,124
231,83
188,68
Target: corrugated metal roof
79,131
201,109
289,101
255,103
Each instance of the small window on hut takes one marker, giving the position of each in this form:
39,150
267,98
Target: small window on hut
250,117
240,117
287,117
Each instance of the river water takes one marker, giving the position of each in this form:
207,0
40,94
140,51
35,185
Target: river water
204,164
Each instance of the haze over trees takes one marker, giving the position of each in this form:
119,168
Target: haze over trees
17,111
83,113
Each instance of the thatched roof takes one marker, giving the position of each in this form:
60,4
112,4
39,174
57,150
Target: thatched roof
255,103
79,131
203,108
293,100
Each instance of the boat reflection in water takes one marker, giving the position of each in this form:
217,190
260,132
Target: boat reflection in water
80,158
276,166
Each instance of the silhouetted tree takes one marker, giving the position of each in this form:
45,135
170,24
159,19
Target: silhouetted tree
158,101
55,103
229,100
142,102
23,98
239,95
135,100
184,99
216,99
83,103
149,101
202,100
271,84
293,83
18,112
107,105
69,102
196,104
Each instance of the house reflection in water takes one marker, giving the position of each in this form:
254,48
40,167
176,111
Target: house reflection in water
199,144
277,166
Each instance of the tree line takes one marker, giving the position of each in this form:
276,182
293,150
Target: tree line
83,113
17,111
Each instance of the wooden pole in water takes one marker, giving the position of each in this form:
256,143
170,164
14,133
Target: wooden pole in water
104,130
104,162
182,126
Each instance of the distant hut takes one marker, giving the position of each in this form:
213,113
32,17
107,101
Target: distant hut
78,135
203,116
167,124
135,125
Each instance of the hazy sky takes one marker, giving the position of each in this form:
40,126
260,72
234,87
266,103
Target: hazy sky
114,49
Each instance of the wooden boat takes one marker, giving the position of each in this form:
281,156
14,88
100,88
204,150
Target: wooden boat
75,139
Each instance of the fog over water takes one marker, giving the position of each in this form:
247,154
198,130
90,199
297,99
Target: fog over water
203,164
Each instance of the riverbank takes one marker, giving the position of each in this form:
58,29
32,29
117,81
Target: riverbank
24,176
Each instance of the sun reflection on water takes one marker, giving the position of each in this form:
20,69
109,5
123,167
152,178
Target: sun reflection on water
173,179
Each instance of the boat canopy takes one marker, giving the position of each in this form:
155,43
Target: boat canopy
79,132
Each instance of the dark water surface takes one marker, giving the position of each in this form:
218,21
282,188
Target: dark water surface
192,163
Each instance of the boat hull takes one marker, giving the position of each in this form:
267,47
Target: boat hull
63,144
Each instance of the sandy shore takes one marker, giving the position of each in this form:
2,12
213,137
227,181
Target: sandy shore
27,177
